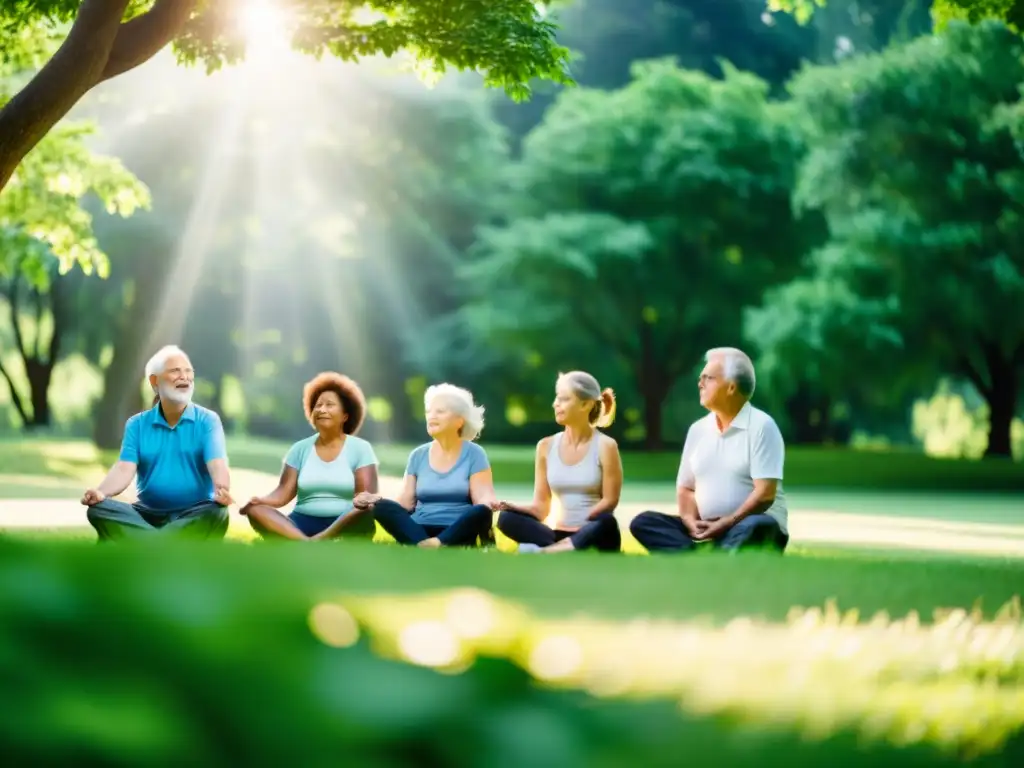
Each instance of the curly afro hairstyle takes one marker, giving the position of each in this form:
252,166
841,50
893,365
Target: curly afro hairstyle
352,399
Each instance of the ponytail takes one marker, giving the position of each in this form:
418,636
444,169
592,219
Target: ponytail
604,414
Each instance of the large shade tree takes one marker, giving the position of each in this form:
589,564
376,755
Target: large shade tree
509,41
916,162
640,222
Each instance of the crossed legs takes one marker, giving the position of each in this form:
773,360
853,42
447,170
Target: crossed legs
659,532
472,524
601,534
118,520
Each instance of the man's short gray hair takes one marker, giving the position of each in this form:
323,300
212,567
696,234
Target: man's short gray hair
158,362
461,402
737,367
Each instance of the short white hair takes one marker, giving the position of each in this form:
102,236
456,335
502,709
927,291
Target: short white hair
737,367
158,362
461,401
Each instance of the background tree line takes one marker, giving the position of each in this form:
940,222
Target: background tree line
841,197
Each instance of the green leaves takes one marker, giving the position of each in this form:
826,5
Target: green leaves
42,212
915,162
637,219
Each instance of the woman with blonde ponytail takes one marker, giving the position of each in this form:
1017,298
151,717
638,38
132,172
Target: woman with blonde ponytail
580,469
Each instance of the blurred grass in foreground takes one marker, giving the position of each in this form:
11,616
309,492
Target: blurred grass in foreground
210,655
957,683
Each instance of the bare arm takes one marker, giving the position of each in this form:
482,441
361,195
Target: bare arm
286,489
407,496
759,500
118,478
366,479
481,488
687,503
611,478
220,474
686,483
540,508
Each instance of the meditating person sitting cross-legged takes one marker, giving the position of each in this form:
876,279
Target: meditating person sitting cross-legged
580,468
175,452
448,491
326,470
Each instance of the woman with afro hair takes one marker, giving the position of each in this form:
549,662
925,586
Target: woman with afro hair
326,471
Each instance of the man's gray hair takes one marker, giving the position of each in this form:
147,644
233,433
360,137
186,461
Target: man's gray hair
736,367
158,362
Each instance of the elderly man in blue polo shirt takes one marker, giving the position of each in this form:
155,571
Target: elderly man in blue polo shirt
176,450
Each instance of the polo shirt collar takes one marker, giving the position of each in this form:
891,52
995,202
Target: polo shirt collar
189,414
742,420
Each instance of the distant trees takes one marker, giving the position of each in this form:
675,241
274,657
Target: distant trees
639,222
915,161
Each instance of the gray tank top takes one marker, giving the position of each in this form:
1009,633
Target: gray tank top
576,487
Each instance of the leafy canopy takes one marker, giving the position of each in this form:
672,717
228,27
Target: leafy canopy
943,11
510,42
915,161
42,215
638,220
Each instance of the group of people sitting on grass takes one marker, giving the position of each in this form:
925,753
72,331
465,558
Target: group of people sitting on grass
729,485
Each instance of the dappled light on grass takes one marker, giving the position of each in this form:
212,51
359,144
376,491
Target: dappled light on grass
333,625
956,682
896,532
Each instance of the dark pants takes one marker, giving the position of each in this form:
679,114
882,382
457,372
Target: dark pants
601,534
666,533
116,520
471,524
311,525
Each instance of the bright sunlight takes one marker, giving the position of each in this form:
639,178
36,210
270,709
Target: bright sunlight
265,27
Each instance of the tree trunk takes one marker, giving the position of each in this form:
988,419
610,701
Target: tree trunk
122,380
39,374
654,384
654,402
1002,407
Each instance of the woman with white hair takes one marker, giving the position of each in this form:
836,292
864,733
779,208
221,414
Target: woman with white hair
579,468
448,490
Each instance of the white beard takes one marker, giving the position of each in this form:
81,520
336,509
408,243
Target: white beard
178,396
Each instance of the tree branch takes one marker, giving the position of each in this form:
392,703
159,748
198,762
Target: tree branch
144,36
59,312
64,79
15,397
975,377
12,303
37,299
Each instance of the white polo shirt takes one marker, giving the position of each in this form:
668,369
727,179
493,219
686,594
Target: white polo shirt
721,467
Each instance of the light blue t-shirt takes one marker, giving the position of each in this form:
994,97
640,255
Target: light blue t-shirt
326,488
441,497
171,461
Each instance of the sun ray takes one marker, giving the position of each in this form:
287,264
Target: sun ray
197,237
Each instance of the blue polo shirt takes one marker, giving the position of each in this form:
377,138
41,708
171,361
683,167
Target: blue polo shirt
171,461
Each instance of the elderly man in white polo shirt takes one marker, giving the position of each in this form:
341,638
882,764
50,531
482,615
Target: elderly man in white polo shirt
729,487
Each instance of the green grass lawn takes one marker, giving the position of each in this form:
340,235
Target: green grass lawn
223,598
238,616
805,467
48,467
974,504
